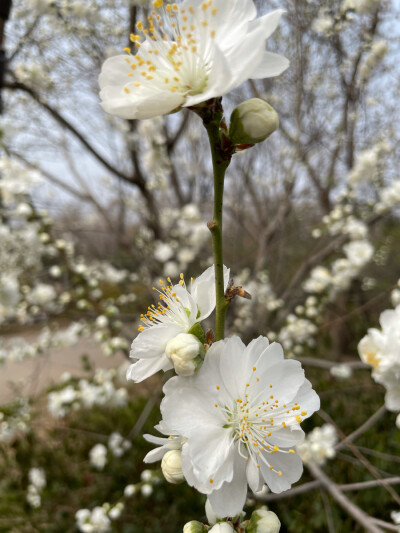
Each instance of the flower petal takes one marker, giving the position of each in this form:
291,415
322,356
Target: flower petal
151,342
144,368
270,66
254,477
203,291
290,466
155,455
233,367
184,408
231,497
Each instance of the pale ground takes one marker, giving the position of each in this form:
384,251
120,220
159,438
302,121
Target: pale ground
33,375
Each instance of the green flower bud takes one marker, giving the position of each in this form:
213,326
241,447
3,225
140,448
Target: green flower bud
194,527
263,521
252,122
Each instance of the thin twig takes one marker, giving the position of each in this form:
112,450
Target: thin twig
353,510
364,485
362,429
295,491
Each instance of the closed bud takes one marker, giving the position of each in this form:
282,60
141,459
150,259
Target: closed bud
252,122
171,466
186,353
263,521
194,527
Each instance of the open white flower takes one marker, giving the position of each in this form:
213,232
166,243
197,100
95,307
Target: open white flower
178,311
190,53
381,350
241,416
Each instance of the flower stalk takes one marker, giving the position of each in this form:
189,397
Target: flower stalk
221,153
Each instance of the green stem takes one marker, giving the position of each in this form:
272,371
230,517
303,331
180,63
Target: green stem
220,160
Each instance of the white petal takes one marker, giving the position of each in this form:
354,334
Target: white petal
245,58
209,449
286,437
270,66
289,464
156,440
114,69
144,368
230,498
122,98
203,291
254,350
268,23
392,399
285,377
185,409
187,301
151,342
217,82
233,367
187,469
254,477
119,107
272,355
389,319
308,399
162,103
155,455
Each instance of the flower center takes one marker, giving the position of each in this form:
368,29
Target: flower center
253,418
168,310
174,49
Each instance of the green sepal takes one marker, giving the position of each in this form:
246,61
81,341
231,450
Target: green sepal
198,332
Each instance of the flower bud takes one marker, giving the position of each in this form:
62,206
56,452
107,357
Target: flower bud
186,353
252,122
194,527
171,466
263,521
222,527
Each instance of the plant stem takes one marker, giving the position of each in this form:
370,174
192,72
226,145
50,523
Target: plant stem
221,159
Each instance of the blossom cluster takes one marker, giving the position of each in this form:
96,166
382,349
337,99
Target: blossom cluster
85,394
249,401
14,420
37,482
117,446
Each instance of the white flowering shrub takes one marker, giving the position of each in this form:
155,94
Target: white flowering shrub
263,395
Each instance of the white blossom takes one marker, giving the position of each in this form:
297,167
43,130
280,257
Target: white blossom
319,445
241,402
118,445
95,521
341,371
178,311
163,252
226,47
381,350
146,490
359,253
129,491
98,456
